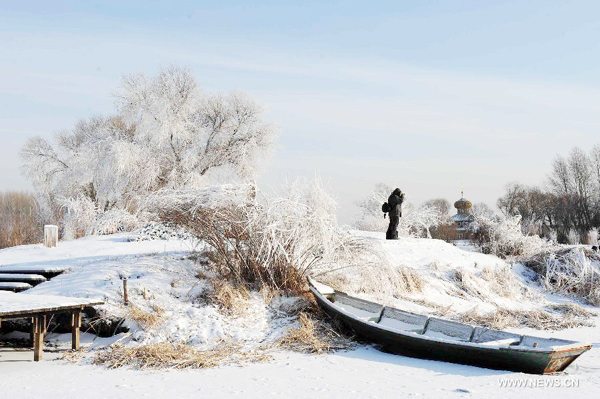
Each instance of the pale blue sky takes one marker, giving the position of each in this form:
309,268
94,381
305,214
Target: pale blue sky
424,95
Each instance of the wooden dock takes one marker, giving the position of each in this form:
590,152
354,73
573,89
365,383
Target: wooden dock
39,308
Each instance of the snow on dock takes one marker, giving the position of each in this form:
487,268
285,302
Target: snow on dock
26,278
40,308
12,304
48,271
14,286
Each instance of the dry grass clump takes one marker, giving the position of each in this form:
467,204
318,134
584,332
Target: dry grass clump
312,336
385,280
468,283
489,285
501,281
231,300
572,309
73,356
165,355
409,280
538,319
146,320
336,280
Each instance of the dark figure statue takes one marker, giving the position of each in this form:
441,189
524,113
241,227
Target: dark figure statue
395,205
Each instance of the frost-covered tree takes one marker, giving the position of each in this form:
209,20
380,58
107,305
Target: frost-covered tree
419,221
371,216
166,134
441,204
482,209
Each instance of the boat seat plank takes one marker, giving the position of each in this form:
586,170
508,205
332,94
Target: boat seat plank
502,342
358,307
402,320
484,335
543,342
447,329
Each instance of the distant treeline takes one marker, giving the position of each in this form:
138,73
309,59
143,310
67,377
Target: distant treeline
567,208
19,219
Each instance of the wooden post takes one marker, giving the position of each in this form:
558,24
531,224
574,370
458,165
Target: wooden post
32,332
75,326
125,297
50,236
38,337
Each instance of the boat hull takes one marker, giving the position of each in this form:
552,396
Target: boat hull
502,358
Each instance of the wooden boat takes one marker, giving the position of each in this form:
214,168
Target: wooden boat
415,335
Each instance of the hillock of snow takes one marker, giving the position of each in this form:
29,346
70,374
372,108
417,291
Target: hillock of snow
169,292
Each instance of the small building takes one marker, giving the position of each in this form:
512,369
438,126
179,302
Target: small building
463,217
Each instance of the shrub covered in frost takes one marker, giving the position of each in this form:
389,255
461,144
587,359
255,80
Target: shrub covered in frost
258,240
504,238
115,221
570,271
160,231
79,215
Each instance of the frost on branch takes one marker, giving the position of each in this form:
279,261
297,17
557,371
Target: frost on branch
166,134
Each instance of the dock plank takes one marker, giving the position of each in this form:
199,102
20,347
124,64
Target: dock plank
46,271
25,278
14,286
12,304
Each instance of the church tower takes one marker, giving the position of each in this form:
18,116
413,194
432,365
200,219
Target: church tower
463,217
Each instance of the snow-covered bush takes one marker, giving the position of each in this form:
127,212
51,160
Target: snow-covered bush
166,134
504,238
79,215
570,271
261,241
115,221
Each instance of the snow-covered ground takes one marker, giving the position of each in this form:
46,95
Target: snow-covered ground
160,275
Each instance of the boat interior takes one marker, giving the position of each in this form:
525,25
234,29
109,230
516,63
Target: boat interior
407,322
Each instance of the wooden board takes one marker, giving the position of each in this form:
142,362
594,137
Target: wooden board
14,286
13,305
23,278
33,269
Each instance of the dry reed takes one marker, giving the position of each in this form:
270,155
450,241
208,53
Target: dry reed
313,336
538,319
146,320
165,355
